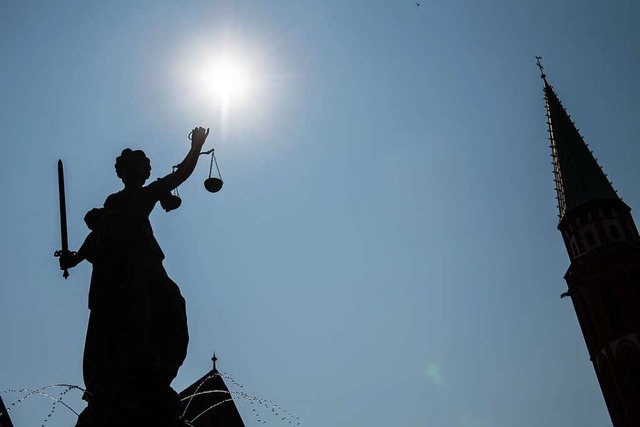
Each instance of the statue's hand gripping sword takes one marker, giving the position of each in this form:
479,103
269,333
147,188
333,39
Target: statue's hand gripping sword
64,252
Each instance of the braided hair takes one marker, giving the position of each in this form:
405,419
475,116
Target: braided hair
127,162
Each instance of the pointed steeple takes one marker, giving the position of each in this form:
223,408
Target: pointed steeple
578,176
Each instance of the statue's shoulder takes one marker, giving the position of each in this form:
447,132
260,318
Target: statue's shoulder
116,200
158,187
92,218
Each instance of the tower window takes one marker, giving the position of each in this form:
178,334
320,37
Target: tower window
615,233
590,239
608,299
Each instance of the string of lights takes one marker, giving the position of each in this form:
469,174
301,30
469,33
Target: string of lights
55,403
186,407
40,391
276,410
210,408
273,408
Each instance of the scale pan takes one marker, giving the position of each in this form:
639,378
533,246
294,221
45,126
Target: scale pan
170,203
213,185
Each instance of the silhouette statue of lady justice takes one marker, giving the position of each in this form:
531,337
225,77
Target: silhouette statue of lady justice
137,333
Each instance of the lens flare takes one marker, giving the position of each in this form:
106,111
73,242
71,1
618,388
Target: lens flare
432,372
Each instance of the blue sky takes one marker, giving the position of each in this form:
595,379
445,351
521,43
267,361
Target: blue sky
384,251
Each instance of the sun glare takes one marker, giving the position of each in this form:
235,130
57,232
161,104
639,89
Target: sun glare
230,79
226,79
226,83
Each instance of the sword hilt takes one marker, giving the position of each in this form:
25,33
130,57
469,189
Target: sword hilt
62,254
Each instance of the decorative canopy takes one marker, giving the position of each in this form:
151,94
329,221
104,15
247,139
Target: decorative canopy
208,402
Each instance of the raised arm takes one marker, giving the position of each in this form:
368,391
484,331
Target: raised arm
186,167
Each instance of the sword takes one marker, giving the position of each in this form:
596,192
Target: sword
63,219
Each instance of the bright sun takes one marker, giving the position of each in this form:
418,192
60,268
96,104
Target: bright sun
223,83
230,79
227,79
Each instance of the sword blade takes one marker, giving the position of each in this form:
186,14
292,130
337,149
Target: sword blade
63,214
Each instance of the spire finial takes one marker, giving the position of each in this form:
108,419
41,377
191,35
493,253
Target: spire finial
214,359
539,64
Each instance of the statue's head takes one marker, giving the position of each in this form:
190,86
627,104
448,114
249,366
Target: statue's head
133,167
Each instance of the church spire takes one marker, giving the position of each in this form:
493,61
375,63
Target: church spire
578,176
604,248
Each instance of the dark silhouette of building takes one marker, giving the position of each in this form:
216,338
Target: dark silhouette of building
208,402
5,420
604,275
